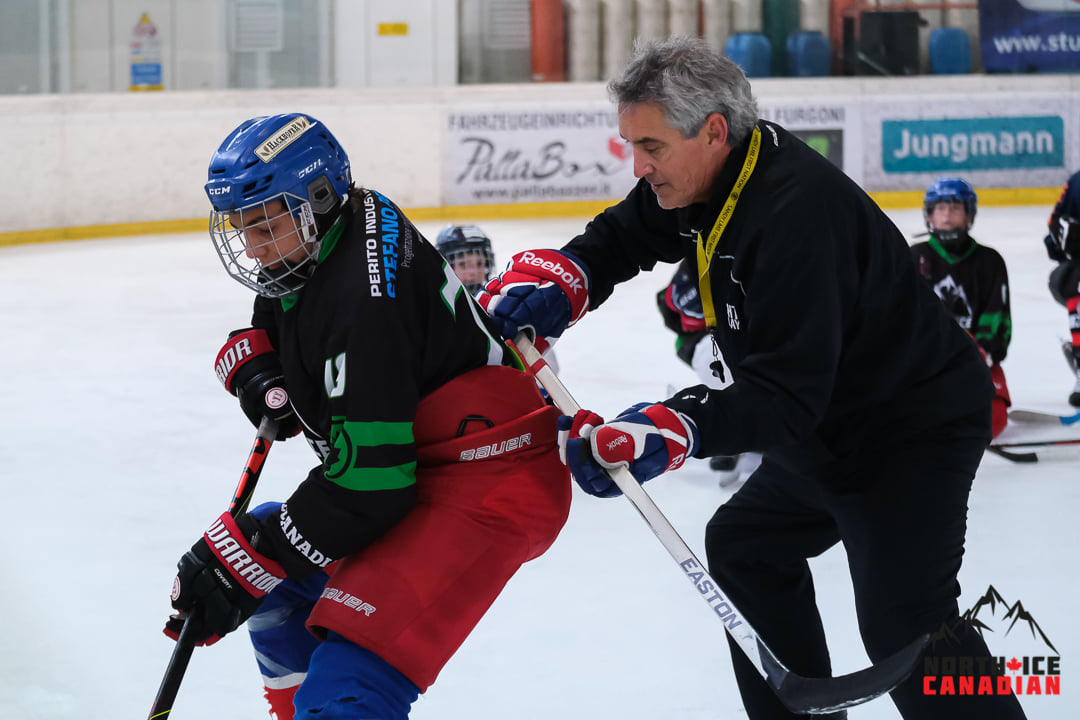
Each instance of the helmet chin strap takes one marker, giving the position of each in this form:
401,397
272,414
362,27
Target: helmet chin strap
955,241
314,226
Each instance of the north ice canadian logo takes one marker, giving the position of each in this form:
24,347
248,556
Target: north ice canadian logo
1029,664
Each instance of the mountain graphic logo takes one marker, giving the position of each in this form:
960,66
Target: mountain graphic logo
993,617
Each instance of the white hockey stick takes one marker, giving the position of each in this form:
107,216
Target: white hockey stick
1040,418
799,694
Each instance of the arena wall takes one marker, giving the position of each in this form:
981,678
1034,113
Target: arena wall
96,165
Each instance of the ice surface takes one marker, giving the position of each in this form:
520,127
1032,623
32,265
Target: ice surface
119,447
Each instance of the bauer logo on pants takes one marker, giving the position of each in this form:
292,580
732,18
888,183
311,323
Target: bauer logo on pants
496,449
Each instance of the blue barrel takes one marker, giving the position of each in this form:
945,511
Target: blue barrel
808,54
950,51
751,52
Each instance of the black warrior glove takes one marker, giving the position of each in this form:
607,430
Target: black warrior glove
248,367
221,581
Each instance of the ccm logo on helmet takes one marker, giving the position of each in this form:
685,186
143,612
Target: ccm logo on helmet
572,280
218,190
309,169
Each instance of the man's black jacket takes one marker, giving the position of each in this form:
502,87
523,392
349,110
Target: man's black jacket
836,347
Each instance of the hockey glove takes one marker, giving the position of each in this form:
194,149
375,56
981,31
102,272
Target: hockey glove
1063,242
1054,249
221,581
647,439
248,367
544,291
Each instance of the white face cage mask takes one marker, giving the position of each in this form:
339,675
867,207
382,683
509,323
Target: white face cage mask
285,238
472,266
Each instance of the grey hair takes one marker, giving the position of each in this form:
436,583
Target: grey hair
689,80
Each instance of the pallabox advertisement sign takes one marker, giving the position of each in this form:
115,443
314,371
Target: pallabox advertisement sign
536,154
1025,142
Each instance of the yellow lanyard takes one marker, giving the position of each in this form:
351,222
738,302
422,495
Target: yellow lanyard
705,249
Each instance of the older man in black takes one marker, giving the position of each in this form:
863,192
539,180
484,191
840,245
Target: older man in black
871,406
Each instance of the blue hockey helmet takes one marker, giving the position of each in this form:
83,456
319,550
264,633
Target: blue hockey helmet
951,189
287,165
459,241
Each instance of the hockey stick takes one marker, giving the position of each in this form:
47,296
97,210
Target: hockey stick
798,694
1006,451
1038,418
1016,457
185,644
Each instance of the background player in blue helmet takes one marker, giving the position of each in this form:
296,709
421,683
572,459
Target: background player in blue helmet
970,279
1063,246
439,473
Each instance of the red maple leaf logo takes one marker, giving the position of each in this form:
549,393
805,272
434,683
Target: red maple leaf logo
1013,664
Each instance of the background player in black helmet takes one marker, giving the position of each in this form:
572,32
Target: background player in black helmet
1063,246
680,306
468,250
438,476
970,278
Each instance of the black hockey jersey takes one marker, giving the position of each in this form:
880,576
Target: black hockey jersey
974,286
1067,206
382,323
835,345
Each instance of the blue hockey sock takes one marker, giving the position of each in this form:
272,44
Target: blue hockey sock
348,682
283,645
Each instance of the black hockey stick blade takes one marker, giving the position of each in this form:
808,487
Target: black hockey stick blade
822,695
1007,449
1017,457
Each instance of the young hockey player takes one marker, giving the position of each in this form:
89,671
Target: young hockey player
1063,247
969,278
468,250
439,474
680,306
871,405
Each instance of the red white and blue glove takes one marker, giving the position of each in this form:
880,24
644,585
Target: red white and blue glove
248,367
647,439
221,581
543,291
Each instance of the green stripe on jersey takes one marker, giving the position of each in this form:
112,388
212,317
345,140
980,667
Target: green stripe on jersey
371,455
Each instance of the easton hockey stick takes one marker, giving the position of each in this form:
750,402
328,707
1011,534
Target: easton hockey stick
185,644
798,694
